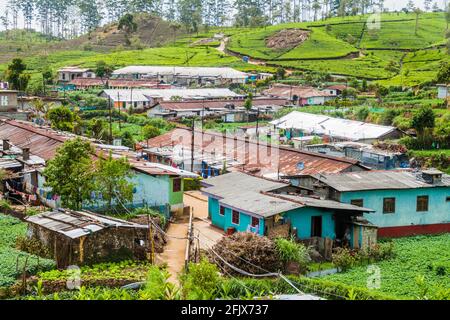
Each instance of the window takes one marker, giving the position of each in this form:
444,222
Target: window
255,222
316,226
389,205
235,217
177,185
4,100
222,211
357,202
422,203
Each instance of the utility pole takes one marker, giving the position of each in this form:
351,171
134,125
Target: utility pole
192,144
118,100
257,123
110,120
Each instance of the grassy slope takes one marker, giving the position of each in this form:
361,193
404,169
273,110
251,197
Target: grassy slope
320,52
328,42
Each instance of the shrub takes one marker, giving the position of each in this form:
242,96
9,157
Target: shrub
202,282
5,206
343,259
289,250
158,287
150,131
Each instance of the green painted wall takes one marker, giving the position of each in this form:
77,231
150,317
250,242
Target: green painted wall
175,197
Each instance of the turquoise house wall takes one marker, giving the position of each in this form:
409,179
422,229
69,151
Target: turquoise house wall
153,190
405,206
301,219
224,222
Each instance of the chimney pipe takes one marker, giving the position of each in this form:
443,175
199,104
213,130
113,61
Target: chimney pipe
26,154
5,144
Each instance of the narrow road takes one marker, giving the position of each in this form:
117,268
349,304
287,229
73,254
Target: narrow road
174,251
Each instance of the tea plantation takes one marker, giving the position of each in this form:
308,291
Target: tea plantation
12,261
416,257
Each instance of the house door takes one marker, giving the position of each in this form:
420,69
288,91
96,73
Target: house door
316,226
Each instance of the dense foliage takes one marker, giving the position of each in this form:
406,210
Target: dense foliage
426,256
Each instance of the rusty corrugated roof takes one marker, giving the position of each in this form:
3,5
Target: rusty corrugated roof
189,105
42,142
256,155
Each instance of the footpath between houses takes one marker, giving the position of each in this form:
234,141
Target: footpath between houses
175,249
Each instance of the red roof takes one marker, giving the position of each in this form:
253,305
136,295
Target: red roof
42,142
288,92
340,87
189,105
270,159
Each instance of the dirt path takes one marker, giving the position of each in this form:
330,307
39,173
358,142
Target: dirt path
207,233
174,251
223,48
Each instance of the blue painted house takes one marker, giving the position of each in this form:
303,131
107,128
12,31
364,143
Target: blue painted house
245,203
405,202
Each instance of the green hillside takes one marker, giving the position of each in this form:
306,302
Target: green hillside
392,55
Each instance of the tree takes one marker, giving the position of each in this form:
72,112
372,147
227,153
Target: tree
70,173
447,16
103,70
280,73
427,5
364,85
248,104
89,14
381,92
99,129
190,14
61,118
127,24
128,140
418,12
175,27
150,131
443,75
113,180
15,75
423,119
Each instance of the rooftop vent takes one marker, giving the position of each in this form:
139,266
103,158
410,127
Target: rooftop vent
432,176
6,145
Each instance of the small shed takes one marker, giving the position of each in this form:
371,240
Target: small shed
81,237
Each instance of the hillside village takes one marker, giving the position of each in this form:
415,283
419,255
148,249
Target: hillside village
279,162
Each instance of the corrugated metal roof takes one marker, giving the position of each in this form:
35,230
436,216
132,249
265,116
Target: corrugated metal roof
42,142
214,72
328,204
199,105
253,195
243,192
139,95
324,125
6,163
74,69
75,224
379,180
127,83
269,159
288,92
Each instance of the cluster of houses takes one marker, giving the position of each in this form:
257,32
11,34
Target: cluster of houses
270,189
26,148
343,188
